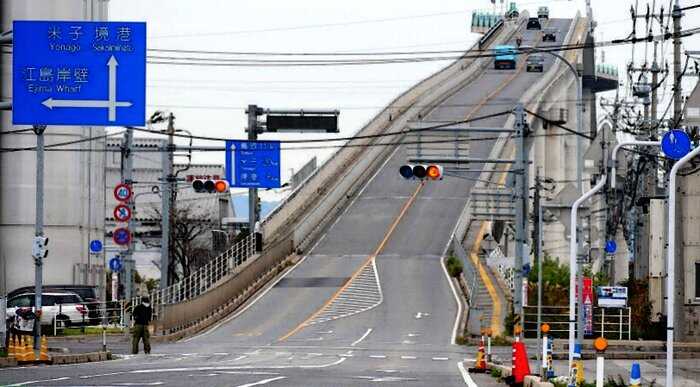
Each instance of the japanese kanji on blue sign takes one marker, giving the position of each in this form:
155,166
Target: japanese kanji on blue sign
253,164
78,73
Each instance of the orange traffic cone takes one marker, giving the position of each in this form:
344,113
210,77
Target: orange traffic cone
11,348
44,349
31,356
480,364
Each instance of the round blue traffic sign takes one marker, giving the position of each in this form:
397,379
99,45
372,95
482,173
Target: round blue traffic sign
121,236
610,247
95,246
675,144
115,264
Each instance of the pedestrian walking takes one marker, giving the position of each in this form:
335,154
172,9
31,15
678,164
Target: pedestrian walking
142,318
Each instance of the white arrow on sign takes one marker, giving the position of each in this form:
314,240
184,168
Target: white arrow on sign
111,103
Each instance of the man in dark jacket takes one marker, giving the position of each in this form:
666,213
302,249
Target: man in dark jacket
142,317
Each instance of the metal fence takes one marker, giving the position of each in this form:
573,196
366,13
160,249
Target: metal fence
203,279
471,277
611,323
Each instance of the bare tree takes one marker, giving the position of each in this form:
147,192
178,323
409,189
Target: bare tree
190,248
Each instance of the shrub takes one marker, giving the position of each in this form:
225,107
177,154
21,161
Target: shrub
454,266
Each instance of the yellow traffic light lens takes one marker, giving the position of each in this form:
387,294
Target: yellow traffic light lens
600,344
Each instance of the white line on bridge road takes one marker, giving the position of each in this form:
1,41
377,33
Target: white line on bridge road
441,358
264,381
408,357
465,375
38,381
354,343
377,356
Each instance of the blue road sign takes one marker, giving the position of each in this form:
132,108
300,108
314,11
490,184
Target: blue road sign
675,144
610,247
78,73
95,246
115,264
253,164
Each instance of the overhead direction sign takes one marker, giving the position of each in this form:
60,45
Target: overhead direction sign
79,73
253,164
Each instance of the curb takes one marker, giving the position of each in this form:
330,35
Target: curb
530,380
88,357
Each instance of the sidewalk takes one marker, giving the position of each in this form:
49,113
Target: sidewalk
117,343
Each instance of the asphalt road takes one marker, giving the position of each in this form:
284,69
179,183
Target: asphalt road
394,322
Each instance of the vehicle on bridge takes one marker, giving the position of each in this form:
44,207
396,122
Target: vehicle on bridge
535,63
549,35
543,12
533,23
505,57
512,11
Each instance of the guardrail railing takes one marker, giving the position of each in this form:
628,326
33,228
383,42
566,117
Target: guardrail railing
203,279
611,323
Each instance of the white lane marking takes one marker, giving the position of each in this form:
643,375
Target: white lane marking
240,312
354,343
385,378
465,375
264,381
38,381
408,357
408,342
248,373
420,315
441,358
221,353
211,368
413,334
377,356
144,384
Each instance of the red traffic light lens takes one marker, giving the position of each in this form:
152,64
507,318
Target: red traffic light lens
221,186
434,172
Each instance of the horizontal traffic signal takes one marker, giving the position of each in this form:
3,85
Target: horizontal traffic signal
421,171
210,186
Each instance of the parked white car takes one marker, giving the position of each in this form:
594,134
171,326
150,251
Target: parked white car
66,308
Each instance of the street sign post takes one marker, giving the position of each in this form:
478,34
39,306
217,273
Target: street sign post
122,192
122,213
253,164
95,246
115,264
78,73
121,236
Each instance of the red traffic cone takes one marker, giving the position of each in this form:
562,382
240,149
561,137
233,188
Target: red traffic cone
521,365
480,364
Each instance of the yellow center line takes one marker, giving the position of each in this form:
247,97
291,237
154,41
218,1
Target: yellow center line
370,259
474,254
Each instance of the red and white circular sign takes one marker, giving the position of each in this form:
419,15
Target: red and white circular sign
122,192
122,213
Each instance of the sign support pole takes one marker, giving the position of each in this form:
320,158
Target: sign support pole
521,219
39,229
167,205
252,192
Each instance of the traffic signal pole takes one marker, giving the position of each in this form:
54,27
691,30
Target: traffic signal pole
252,192
39,230
167,203
521,212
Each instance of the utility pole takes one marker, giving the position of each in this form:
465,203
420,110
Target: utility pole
521,212
537,224
677,105
253,112
39,232
167,203
127,178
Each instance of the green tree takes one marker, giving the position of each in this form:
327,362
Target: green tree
555,283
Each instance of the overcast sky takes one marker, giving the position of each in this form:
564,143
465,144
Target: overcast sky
210,101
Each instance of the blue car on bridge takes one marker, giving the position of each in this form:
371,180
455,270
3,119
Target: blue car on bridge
504,57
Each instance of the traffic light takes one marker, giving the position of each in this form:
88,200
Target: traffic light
210,186
39,247
421,171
